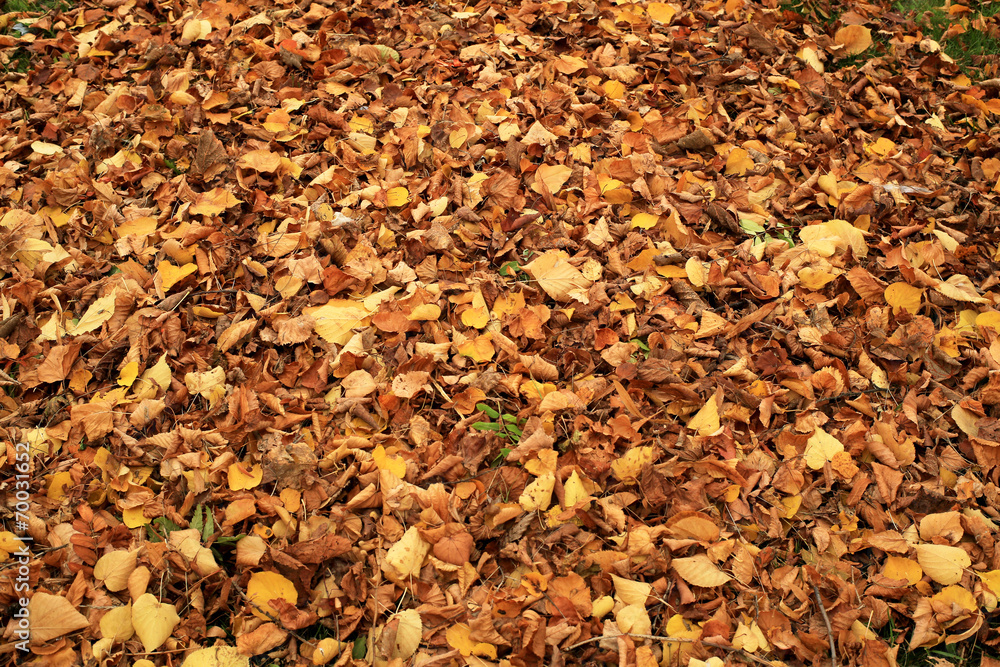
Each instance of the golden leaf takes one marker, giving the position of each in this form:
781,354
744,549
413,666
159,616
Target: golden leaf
153,621
903,296
556,275
942,563
854,38
699,570
266,586
820,448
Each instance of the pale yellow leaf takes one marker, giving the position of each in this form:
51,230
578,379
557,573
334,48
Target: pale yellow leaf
699,570
942,563
266,586
153,621
556,275
821,448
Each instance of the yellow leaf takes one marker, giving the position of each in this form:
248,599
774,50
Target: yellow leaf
942,563
749,639
266,586
696,272
260,160
409,631
113,569
458,137
854,38
128,374
43,148
602,606
903,296
631,592
821,448
645,220
628,467
326,650
99,312
213,202
556,275
681,628
661,12
57,485
217,656
196,30
53,616
706,421
427,312
552,176
398,196
153,621
393,464
634,618
897,567
170,275
815,279
957,596
828,237
116,625
134,517
241,479
404,559
614,90
881,147
575,493
538,494
738,162
210,384
156,377
335,320
699,570
960,288
992,580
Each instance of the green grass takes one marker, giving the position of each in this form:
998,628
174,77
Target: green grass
35,6
972,49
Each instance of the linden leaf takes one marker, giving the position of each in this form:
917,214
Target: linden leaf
552,177
942,563
153,621
217,656
114,568
266,586
116,625
854,39
903,296
820,448
538,494
699,570
897,567
405,558
398,196
53,616
556,275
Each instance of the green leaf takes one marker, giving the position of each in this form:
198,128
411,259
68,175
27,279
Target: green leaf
360,649
490,412
751,227
197,522
486,426
510,419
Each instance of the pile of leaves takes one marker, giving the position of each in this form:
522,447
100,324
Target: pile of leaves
516,333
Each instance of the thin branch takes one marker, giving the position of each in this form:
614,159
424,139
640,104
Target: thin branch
829,627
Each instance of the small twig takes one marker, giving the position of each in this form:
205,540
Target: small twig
269,615
829,628
684,640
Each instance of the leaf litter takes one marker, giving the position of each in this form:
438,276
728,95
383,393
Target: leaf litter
725,280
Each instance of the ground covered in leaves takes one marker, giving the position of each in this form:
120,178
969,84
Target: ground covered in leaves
515,333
